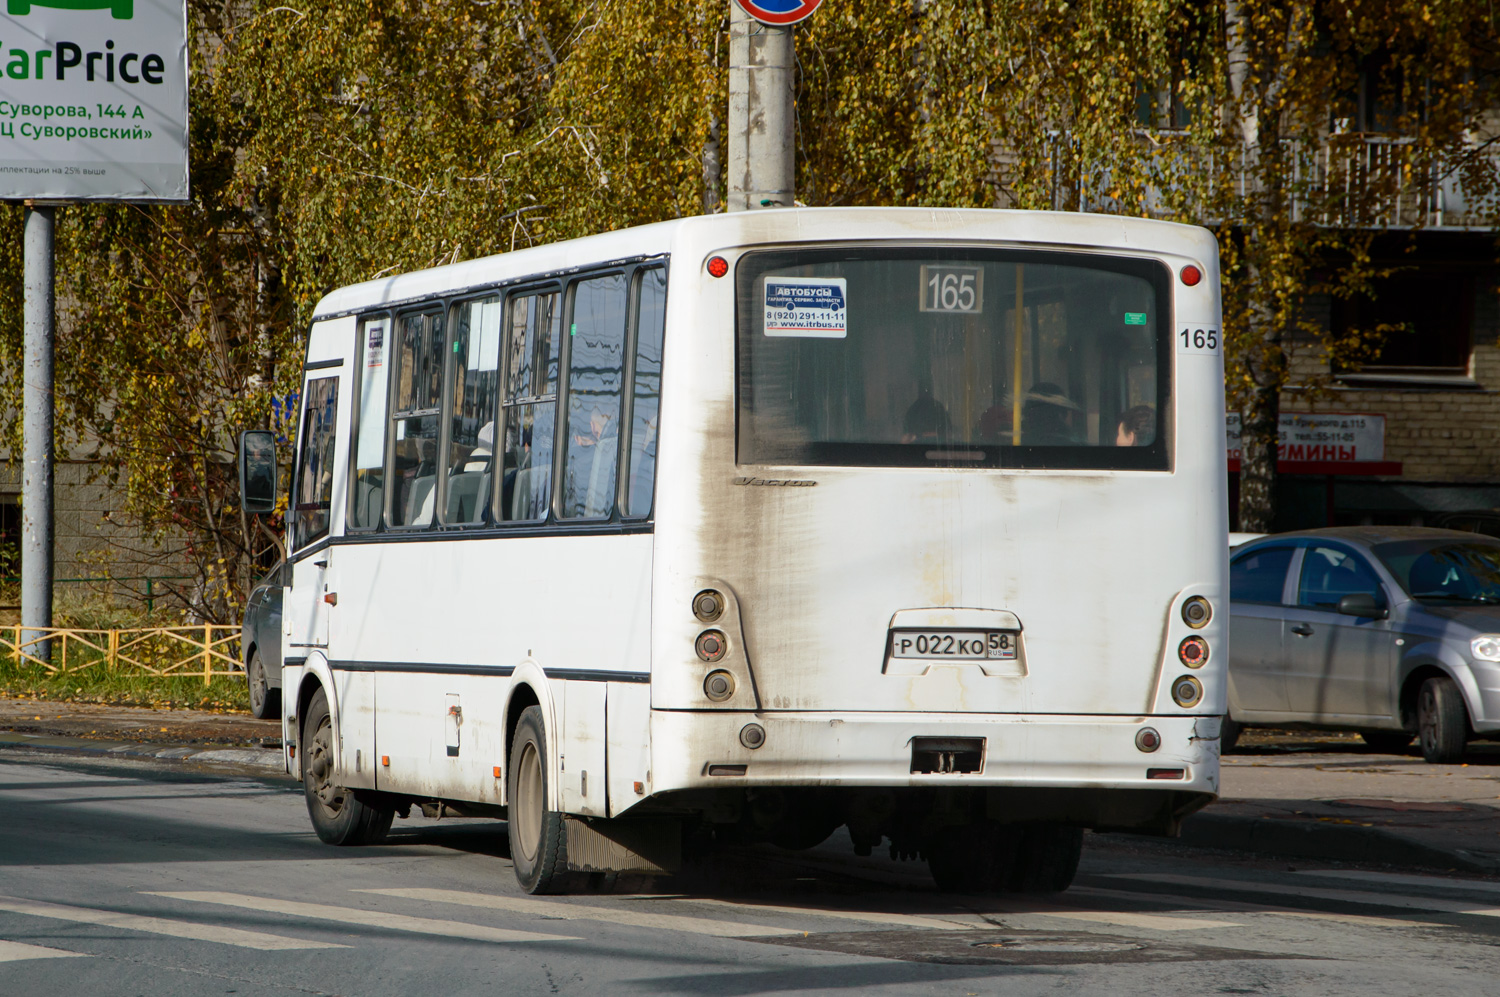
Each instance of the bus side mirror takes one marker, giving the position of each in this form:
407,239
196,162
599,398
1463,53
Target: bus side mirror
1363,604
258,471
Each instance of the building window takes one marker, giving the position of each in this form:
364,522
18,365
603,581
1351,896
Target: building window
1433,315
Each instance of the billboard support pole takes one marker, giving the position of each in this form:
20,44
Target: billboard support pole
761,118
37,413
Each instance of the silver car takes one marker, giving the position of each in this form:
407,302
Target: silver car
1390,631
260,643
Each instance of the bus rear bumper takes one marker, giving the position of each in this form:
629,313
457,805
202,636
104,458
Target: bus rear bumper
815,749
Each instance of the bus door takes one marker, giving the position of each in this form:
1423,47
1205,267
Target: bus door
309,600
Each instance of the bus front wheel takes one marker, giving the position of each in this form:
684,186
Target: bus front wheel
337,815
538,837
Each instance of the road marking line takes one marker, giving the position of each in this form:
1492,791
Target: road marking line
869,917
367,918
612,915
16,951
1241,907
161,926
1155,922
1400,879
1341,896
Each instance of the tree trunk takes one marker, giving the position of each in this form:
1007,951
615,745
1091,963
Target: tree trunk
1258,436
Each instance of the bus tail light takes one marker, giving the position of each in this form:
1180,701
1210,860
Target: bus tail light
1193,651
711,645
717,266
1191,275
1147,739
1187,691
752,736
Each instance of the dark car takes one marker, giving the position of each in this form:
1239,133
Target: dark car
260,643
1390,631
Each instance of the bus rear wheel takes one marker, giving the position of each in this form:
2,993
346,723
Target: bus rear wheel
1046,858
538,836
973,858
337,815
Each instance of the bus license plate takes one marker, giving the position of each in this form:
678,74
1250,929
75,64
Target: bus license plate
954,645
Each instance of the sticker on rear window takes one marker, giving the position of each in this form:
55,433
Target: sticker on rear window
813,307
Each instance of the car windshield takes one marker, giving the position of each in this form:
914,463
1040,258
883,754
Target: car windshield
1445,571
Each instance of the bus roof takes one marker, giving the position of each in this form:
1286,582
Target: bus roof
783,225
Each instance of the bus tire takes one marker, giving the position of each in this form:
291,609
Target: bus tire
1229,734
265,702
538,837
1046,858
1442,721
972,858
337,816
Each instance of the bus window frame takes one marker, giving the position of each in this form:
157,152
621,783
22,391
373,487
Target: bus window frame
565,391
627,417
356,397
455,305
502,423
437,307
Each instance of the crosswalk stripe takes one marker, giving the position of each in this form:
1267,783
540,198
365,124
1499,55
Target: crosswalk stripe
16,951
1342,896
367,918
161,926
869,917
1241,907
1402,879
613,915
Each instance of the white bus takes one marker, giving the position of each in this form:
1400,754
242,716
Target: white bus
755,526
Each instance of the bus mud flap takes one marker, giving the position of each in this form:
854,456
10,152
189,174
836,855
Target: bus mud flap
623,845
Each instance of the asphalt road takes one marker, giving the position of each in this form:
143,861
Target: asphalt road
124,878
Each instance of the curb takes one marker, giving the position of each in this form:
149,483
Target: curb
257,761
1333,842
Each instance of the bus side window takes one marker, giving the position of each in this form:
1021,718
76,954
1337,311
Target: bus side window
471,411
313,488
367,497
412,477
646,406
530,405
595,371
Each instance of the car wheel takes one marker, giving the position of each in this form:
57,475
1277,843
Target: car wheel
339,817
265,702
1442,720
1390,742
1229,734
538,837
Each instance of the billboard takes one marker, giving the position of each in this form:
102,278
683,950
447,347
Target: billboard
93,100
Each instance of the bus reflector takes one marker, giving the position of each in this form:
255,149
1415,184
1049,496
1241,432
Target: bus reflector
727,769
1166,773
385,760
1187,691
497,771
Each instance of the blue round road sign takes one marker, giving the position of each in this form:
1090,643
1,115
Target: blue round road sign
778,12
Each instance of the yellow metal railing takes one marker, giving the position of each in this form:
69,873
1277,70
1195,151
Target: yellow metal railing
203,649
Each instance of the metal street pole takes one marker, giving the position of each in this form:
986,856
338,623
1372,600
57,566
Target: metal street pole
762,167
37,411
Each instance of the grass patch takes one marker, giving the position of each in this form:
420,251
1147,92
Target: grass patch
93,684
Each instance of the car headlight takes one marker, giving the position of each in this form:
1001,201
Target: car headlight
1486,647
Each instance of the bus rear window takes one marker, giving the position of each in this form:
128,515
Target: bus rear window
953,357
